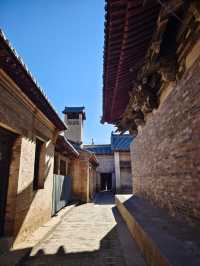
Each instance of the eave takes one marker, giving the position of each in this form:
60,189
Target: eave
15,68
129,27
128,98
65,147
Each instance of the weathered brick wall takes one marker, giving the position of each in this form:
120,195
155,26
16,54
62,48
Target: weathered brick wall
166,153
26,208
79,170
76,182
33,207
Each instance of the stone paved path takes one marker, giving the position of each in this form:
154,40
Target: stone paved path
87,235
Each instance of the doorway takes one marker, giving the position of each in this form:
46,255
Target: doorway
6,143
106,181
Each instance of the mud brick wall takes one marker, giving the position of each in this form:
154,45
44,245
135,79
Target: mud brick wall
166,152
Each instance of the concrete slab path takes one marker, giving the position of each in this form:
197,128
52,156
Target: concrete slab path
91,234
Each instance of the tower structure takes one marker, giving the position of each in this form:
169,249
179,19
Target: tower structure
74,119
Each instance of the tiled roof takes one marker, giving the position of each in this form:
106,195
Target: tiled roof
121,142
129,26
78,109
76,145
74,109
99,149
118,143
15,68
64,145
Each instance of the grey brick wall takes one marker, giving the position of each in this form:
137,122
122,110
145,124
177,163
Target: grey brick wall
166,153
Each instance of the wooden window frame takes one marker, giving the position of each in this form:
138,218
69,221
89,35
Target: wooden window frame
39,165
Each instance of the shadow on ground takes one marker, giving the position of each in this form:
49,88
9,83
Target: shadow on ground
109,253
104,198
116,247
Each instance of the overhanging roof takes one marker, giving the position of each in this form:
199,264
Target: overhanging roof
121,142
73,110
13,65
65,147
129,28
104,149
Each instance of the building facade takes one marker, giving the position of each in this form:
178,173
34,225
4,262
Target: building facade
114,169
64,155
151,88
83,169
28,130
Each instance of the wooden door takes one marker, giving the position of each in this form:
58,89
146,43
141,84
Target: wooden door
106,181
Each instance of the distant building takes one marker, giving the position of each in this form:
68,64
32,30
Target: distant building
83,169
114,169
64,156
74,119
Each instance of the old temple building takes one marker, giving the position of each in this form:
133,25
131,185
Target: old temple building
151,88
114,169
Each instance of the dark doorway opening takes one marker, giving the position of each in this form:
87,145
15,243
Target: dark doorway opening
106,181
6,143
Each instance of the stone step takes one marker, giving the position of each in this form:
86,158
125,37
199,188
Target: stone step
162,240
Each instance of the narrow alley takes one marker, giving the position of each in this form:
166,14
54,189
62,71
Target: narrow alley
99,133
93,234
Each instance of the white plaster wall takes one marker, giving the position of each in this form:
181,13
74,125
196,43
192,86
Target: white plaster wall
106,165
117,171
125,174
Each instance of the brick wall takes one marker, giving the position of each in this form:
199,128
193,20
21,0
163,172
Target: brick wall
79,170
26,209
166,152
33,207
93,182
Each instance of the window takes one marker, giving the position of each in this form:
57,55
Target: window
38,148
73,115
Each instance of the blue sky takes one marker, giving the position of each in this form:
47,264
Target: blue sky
61,41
